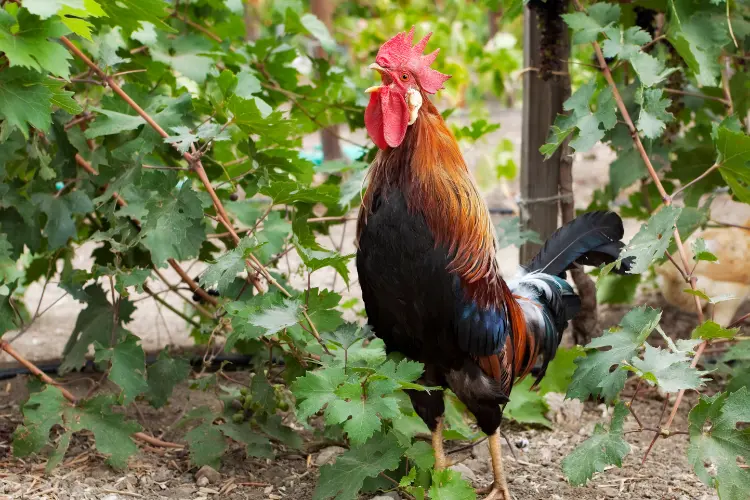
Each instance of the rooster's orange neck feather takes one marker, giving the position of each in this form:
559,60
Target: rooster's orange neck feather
430,170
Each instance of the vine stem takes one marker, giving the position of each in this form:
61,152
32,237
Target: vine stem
70,397
667,200
197,166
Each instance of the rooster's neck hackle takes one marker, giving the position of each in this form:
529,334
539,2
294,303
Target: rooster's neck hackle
429,169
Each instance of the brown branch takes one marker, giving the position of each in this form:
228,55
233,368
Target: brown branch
665,198
738,321
696,94
697,179
69,395
197,26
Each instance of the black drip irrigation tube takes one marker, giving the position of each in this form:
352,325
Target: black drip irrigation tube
236,362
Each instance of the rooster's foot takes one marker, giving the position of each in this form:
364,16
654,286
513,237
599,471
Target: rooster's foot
496,492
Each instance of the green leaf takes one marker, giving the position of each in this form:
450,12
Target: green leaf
716,442
112,123
712,330
347,334
669,370
163,376
652,239
174,226
360,409
60,211
650,70
587,26
94,324
316,28
698,33
617,288
41,412
274,319
624,43
343,479
593,375
701,252
605,447
207,445
733,156
223,272
111,431
318,259
422,454
509,233
526,406
25,101
588,122
256,445
316,389
653,115
128,368
129,13
26,43
560,370
448,484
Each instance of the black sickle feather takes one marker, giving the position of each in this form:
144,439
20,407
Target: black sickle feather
591,239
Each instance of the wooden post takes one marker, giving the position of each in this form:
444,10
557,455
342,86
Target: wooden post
542,101
329,136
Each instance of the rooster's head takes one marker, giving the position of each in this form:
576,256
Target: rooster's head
405,73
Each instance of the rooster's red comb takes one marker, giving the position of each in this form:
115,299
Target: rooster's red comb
398,52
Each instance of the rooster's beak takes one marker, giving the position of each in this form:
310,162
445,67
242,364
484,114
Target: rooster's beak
379,69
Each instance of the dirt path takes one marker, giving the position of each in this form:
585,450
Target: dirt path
534,474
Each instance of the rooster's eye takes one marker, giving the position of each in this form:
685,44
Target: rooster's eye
404,76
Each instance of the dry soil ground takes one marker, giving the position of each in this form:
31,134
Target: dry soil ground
157,474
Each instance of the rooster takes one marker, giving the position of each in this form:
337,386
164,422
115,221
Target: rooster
426,258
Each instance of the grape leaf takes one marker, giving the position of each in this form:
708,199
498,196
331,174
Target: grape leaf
174,226
448,484
343,479
222,273
316,259
113,122
26,43
669,370
624,43
526,406
560,370
733,156
360,409
653,116
650,69
48,407
701,252
128,367
587,26
60,211
256,445
316,28
111,431
652,240
698,33
273,319
559,131
605,447
207,445
716,442
593,376
509,233
588,122
94,324
163,376
24,101
129,13
316,389
712,330
43,410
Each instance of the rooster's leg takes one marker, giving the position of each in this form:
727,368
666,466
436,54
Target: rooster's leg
499,488
441,461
